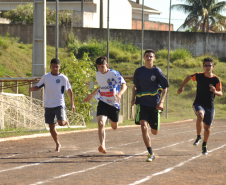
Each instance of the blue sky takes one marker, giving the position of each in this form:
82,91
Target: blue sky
177,18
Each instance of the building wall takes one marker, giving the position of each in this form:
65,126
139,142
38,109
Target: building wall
198,43
151,25
120,14
139,16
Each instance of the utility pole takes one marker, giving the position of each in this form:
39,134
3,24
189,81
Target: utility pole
57,28
168,61
142,34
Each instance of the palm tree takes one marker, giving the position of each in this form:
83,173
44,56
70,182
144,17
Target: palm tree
202,15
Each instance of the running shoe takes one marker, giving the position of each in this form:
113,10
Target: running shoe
150,157
197,141
204,150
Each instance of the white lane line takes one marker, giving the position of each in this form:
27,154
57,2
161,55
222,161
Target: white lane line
173,167
38,163
74,131
42,150
98,166
175,128
173,133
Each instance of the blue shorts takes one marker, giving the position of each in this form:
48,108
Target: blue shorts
208,113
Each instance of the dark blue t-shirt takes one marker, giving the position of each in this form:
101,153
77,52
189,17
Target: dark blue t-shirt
149,84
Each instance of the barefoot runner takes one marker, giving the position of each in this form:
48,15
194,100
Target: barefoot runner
108,95
55,85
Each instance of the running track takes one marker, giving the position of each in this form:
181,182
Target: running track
33,160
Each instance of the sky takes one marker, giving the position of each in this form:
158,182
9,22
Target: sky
177,17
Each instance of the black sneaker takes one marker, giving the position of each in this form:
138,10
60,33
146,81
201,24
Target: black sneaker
204,150
197,141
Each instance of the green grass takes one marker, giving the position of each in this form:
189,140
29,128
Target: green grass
16,59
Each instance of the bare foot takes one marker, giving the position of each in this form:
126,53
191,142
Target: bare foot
58,146
102,149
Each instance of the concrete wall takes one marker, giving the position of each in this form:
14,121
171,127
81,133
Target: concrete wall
197,43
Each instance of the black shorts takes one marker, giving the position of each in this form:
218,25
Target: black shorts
103,109
149,114
51,113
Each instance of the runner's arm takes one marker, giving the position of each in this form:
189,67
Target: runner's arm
134,93
70,93
35,88
180,90
123,89
90,96
160,104
214,90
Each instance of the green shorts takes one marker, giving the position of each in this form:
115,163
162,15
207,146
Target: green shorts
149,114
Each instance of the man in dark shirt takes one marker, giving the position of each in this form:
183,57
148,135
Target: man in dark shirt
149,83
208,85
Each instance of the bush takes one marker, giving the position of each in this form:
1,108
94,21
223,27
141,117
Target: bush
79,73
162,54
3,43
92,50
180,54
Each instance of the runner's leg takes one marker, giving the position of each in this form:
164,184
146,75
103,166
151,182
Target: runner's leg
199,121
145,134
101,132
62,123
114,125
154,132
207,131
54,135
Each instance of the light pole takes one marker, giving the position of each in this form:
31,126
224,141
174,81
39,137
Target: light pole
168,61
57,29
142,34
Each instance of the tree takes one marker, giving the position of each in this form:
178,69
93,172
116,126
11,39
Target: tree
202,15
80,73
25,14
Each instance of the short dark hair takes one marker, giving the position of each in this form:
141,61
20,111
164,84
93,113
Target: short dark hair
55,61
149,51
101,60
208,60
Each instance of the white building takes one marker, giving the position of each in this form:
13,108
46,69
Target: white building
122,12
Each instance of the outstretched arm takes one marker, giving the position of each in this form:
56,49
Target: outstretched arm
35,88
119,95
70,93
134,93
90,96
180,90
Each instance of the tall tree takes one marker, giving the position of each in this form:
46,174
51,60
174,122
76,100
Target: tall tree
202,15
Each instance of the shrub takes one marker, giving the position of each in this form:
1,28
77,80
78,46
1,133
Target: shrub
3,43
79,73
180,54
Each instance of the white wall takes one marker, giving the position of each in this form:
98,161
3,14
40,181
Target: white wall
4,21
96,14
120,14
